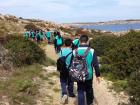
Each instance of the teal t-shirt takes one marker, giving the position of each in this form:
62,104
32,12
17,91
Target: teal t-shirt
59,41
32,34
41,35
48,34
38,35
65,52
26,34
76,42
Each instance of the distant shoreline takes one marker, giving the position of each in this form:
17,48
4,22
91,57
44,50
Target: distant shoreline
114,22
117,26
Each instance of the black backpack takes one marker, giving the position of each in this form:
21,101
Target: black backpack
61,63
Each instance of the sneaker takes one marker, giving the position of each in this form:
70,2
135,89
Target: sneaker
64,99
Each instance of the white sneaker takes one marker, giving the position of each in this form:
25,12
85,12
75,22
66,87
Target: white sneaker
64,99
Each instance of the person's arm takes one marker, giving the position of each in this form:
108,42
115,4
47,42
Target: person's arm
55,41
96,66
62,41
60,53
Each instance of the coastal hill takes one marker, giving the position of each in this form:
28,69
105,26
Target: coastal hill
13,24
129,21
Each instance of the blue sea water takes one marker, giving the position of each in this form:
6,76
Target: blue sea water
114,27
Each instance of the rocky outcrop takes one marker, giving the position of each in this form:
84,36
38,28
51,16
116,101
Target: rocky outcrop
13,24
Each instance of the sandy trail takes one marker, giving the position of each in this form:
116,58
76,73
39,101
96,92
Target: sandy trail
103,95
50,52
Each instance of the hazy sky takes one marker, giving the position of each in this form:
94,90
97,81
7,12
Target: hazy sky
72,10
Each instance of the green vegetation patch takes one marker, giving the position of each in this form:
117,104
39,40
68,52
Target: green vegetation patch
120,62
20,86
102,44
24,52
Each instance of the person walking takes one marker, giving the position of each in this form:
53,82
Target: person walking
48,35
59,42
54,41
84,83
27,33
67,85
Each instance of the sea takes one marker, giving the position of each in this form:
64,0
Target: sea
114,27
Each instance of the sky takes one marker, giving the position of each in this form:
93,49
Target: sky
68,11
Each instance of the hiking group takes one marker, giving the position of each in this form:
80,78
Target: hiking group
75,64
39,35
49,36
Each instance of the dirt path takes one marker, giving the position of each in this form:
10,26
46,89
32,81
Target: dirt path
50,88
50,52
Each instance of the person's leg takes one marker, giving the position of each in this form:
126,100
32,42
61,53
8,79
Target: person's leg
63,82
64,96
71,87
37,40
58,49
89,92
55,47
48,40
81,96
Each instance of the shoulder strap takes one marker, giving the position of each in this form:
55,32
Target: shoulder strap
68,54
61,52
76,52
77,43
71,60
86,52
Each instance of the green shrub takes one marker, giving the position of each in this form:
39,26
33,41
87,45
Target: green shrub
102,44
24,51
122,64
120,85
124,57
31,26
134,88
21,87
105,68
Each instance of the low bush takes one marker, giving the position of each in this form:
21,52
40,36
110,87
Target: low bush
120,60
24,51
20,87
134,88
121,63
102,44
124,56
31,26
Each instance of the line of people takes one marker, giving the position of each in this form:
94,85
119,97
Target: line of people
75,64
39,35
51,37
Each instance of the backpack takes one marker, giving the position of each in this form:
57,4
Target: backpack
78,70
61,63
